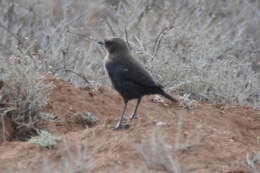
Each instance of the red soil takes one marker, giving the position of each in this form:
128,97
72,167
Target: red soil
221,135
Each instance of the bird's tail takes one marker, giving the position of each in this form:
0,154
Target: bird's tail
163,93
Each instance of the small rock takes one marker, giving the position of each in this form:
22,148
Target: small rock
160,123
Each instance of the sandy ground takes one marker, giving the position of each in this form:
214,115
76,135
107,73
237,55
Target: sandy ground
212,138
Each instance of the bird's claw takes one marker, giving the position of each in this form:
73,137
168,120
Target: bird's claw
119,126
133,116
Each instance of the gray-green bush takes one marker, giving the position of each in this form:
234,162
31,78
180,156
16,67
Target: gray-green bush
23,95
45,139
209,49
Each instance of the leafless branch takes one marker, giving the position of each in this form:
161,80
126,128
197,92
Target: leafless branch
89,38
78,74
126,37
159,38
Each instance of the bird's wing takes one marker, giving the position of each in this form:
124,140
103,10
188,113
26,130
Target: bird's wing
134,72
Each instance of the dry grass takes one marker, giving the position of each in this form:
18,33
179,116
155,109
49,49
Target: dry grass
252,163
156,154
160,156
74,158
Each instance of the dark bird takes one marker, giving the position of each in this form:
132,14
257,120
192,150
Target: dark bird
128,77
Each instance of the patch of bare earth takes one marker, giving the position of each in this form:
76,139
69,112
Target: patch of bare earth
220,135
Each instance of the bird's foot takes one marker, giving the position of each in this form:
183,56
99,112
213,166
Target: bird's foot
133,116
120,126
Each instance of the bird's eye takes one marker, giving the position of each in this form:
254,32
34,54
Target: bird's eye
107,42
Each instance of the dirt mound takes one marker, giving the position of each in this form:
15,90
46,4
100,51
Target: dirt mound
212,138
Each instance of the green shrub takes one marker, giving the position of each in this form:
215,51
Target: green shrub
45,139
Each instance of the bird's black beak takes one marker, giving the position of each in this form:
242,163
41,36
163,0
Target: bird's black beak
101,43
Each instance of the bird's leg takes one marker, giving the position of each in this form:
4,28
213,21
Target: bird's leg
118,124
134,115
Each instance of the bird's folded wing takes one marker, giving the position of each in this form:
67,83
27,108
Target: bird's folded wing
137,75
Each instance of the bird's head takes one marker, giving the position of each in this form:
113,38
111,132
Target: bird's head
114,45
